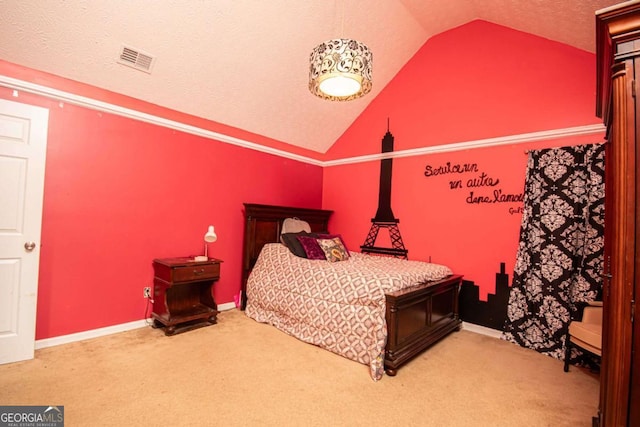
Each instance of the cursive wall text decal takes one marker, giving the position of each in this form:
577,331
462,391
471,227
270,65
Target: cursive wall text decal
484,187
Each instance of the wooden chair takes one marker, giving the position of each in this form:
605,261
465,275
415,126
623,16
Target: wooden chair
585,334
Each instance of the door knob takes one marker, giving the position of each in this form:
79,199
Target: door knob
29,246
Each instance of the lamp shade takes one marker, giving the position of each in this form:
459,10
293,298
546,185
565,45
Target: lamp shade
340,70
210,236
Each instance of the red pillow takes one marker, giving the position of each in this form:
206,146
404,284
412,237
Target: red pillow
311,247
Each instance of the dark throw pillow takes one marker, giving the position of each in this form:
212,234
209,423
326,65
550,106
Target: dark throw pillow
311,247
290,240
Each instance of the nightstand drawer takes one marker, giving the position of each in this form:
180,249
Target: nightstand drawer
196,272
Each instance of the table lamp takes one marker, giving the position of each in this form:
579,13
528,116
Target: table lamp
209,237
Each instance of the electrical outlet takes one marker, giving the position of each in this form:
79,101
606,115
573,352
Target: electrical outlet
146,291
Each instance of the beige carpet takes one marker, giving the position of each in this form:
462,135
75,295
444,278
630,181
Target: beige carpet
239,372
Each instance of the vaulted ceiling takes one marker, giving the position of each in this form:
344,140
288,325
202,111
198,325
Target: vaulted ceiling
244,63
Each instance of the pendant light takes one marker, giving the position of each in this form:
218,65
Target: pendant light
340,69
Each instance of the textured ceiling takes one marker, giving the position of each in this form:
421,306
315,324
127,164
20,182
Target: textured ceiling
244,63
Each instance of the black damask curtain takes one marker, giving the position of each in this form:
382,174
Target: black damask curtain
559,260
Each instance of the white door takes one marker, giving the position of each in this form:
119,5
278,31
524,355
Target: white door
23,143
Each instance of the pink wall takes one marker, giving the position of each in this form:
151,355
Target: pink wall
474,82
119,193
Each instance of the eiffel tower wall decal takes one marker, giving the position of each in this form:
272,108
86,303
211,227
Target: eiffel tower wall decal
384,218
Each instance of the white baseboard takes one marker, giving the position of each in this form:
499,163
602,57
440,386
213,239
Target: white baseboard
100,332
483,330
94,333
227,306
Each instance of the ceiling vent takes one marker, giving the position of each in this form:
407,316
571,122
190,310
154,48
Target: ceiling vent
136,58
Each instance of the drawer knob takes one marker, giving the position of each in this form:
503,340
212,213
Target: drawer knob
198,272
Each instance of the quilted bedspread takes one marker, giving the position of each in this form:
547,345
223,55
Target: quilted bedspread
339,306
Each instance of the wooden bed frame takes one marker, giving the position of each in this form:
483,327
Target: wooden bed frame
416,317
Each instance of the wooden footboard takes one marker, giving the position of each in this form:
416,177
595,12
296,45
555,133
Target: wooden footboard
418,317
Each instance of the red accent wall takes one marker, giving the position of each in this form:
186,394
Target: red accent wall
474,82
119,193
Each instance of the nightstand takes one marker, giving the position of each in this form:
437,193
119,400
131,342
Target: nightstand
182,297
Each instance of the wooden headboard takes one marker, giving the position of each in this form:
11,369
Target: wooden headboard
263,224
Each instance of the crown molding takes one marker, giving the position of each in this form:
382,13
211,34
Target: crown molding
97,105
480,143
105,107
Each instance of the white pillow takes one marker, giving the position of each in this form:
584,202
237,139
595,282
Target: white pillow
295,225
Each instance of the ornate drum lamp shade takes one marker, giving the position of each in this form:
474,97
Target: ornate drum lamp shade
340,70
